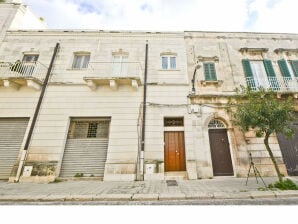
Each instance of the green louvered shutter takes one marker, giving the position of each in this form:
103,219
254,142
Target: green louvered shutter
209,71
284,68
295,67
271,74
248,74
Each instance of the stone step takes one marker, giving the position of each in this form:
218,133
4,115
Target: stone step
176,175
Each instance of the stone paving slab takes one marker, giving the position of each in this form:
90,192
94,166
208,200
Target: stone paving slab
199,195
145,197
113,197
262,194
171,196
280,194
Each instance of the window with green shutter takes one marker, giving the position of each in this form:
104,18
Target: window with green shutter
210,72
274,84
294,64
248,74
284,68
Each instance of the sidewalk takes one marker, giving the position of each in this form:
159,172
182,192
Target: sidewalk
92,190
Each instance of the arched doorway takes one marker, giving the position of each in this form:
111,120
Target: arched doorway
220,149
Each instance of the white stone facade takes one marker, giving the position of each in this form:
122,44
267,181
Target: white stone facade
76,93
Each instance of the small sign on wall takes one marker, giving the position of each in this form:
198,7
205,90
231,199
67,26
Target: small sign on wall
27,171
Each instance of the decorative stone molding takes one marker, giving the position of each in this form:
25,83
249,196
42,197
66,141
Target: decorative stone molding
212,83
253,50
287,51
204,59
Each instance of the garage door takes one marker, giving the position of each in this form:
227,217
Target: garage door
12,131
86,148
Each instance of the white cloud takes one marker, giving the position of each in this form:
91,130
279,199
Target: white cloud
175,15
279,17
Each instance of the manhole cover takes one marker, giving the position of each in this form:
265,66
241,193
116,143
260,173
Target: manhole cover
171,183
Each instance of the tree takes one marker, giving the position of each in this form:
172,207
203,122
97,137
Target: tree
265,114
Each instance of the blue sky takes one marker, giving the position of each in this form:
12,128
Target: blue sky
170,15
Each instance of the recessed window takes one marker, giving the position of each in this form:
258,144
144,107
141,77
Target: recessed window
80,129
168,62
260,73
209,71
30,58
81,61
288,68
120,65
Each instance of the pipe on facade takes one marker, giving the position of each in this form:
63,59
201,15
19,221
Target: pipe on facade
36,112
144,116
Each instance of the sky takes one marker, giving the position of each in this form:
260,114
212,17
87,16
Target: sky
278,16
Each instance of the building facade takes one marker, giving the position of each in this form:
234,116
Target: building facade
128,105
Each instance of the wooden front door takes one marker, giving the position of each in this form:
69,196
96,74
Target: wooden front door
174,151
220,152
289,151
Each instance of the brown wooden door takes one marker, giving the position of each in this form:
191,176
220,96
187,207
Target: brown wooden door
220,152
289,151
174,151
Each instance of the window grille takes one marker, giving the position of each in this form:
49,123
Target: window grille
214,124
173,122
89,129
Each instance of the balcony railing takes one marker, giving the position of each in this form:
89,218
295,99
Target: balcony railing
114,74
19,74
285,84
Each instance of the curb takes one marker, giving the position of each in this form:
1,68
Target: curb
151,197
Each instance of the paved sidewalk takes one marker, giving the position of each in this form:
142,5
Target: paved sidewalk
92,190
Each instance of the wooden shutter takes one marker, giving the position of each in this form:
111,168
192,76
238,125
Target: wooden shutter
209,71
274,84
269,68
248,74
295,67
247,68
284,68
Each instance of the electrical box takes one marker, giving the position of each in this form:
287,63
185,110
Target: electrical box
27,171
150,168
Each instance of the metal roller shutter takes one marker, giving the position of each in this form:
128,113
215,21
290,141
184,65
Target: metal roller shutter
12,131
86,149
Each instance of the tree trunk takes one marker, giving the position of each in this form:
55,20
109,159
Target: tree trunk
272,157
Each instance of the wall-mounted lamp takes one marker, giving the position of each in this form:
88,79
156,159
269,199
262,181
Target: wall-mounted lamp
193,79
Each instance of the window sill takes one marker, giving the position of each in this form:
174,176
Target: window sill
77,69
212,82
169,70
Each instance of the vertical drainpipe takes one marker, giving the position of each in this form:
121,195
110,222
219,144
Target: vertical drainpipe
36,112
144,116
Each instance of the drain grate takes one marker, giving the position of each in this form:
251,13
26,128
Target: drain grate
172,183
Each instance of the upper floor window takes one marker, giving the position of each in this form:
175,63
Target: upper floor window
81,60
260,73
168,60
288,68
120,64
209,71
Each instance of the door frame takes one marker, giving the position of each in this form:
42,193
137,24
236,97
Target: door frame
181,131
231,144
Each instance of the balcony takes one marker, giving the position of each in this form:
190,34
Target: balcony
113,74
16,75
281,85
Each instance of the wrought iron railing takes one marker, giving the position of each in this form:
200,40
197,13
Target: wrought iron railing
285,84
23,70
